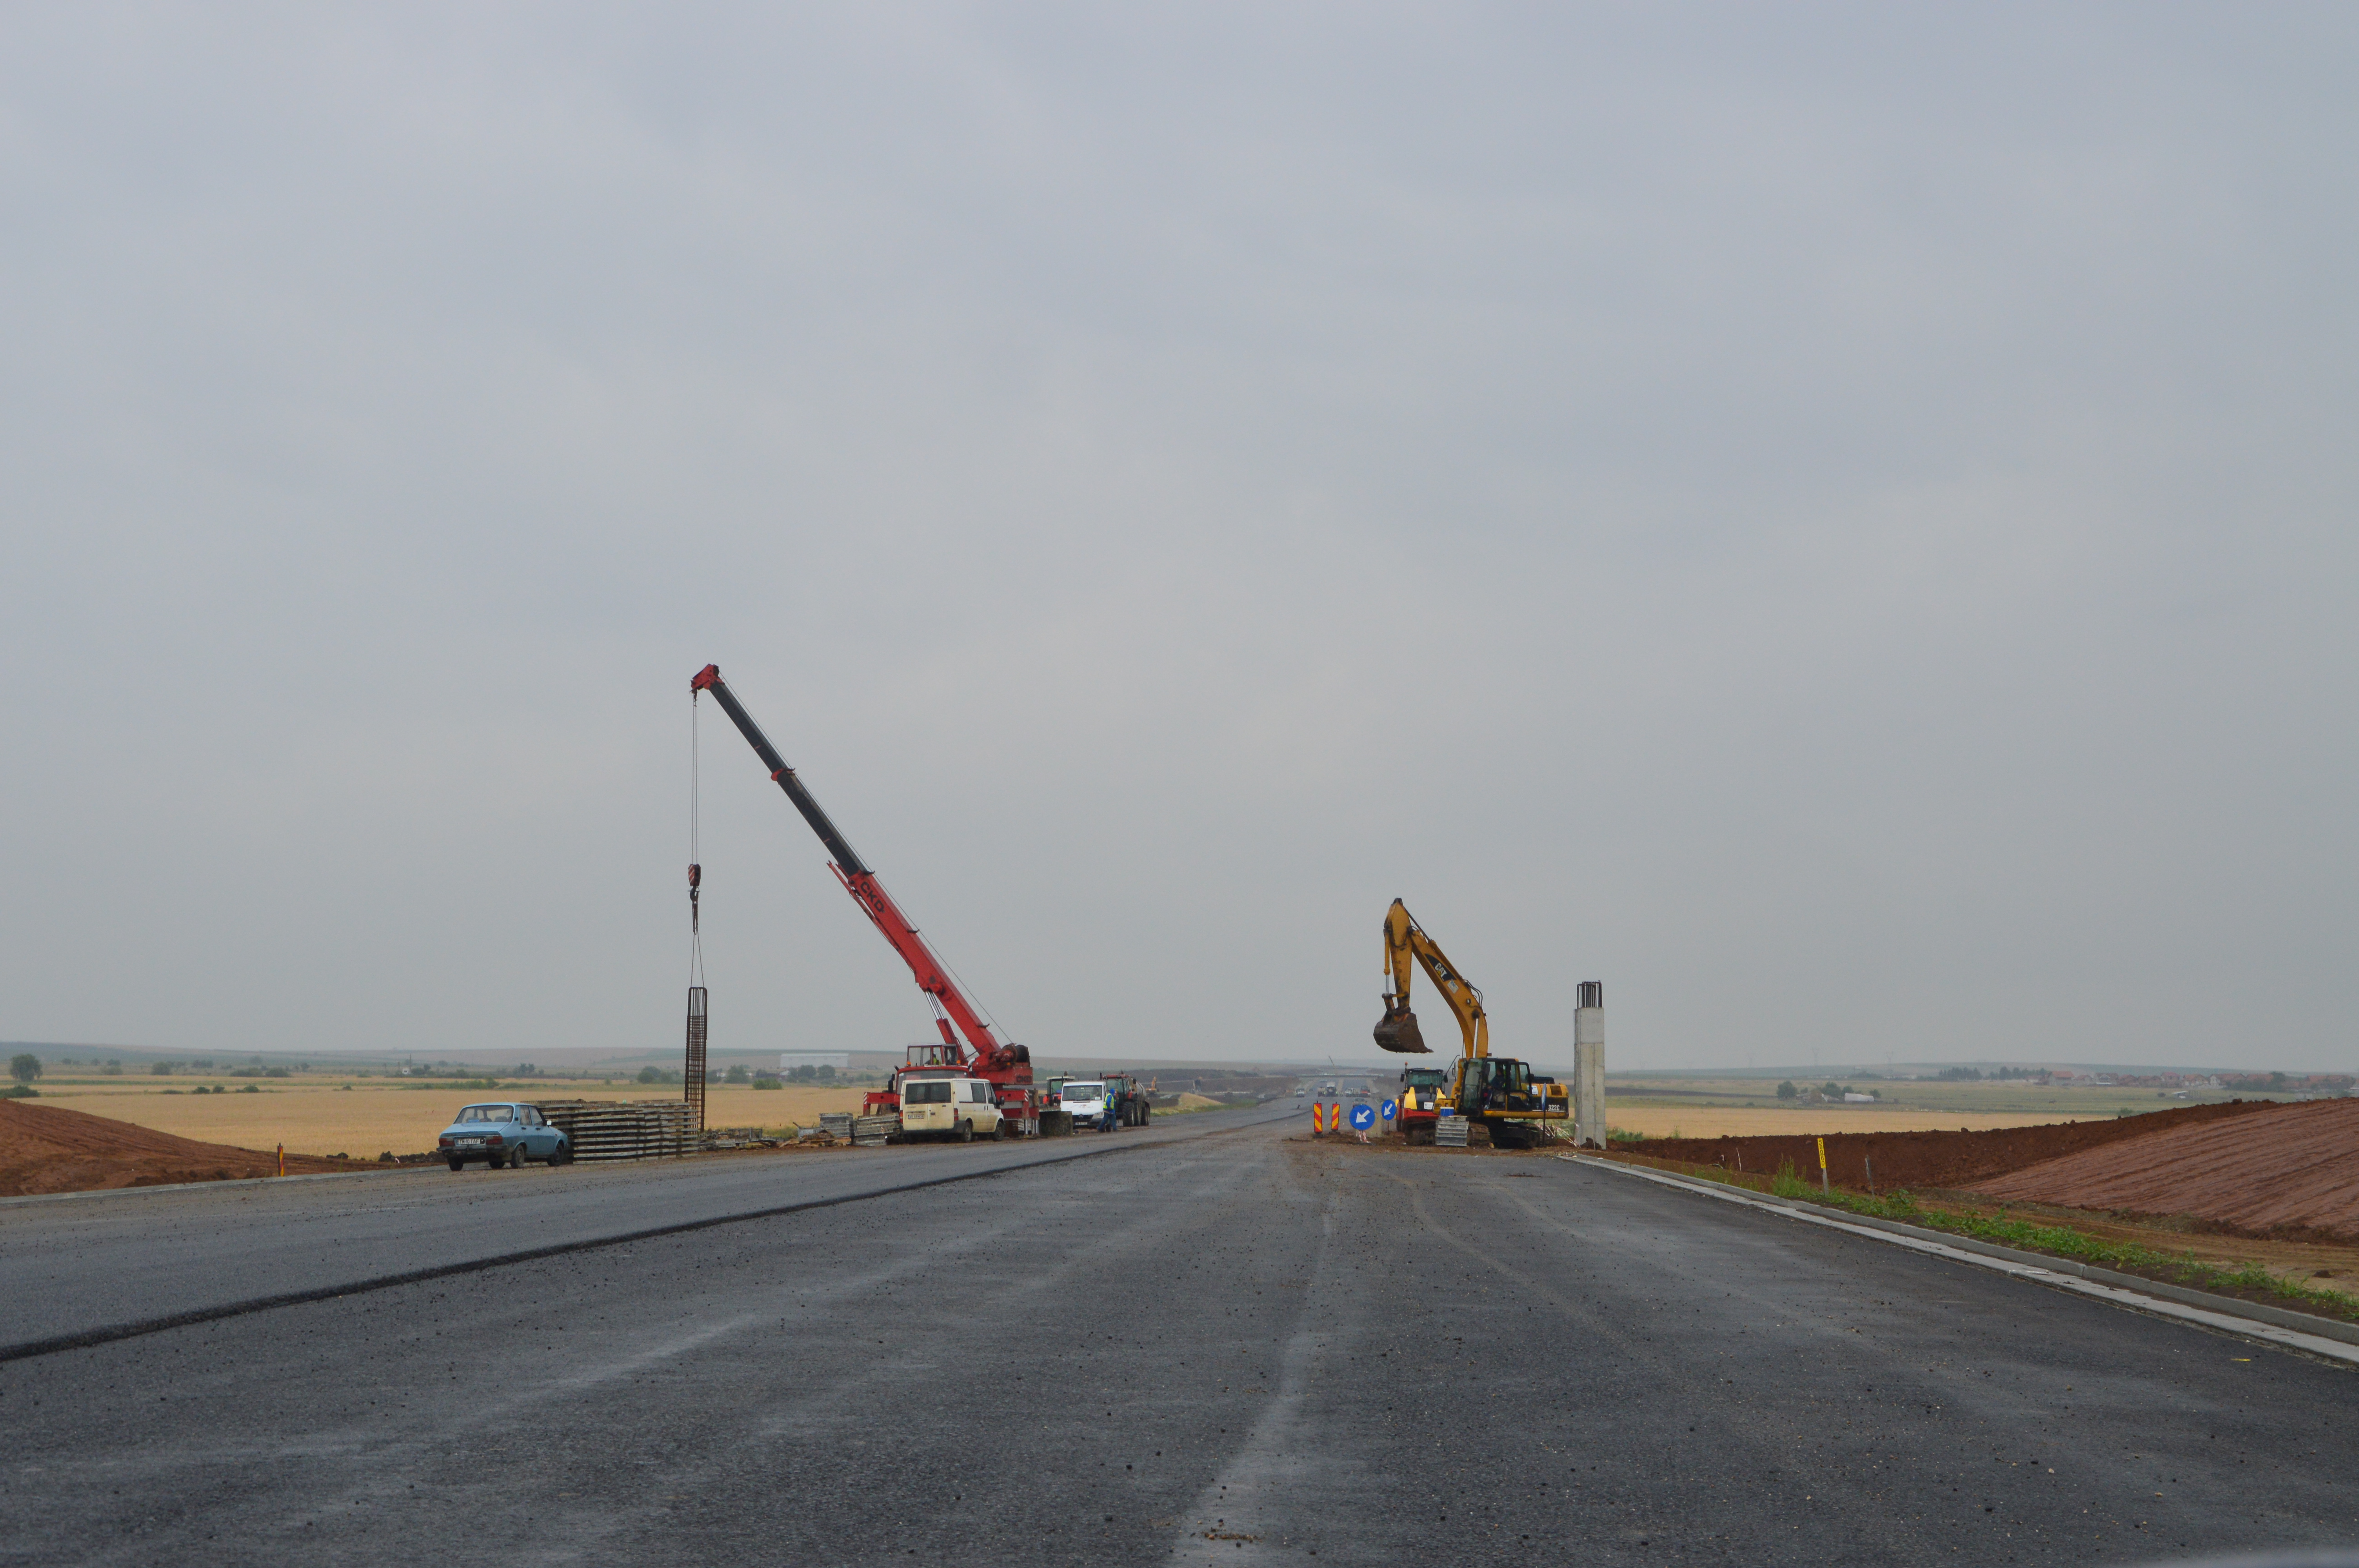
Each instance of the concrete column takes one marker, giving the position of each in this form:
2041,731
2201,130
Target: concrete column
1589,1066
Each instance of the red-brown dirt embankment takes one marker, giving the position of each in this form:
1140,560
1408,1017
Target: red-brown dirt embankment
1936,1159
2292,1172
47,1149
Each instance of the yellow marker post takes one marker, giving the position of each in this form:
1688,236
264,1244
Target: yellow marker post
282,1159
1823,1186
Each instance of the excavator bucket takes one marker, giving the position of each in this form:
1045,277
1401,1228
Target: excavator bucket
1397,1031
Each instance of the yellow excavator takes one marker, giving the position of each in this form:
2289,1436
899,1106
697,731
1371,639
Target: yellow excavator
1497,1094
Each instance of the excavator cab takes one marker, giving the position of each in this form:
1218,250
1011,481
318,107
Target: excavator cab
1502,1094
1493,1083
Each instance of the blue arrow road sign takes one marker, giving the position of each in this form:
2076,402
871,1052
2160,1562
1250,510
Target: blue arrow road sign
1390,1111
1362,1117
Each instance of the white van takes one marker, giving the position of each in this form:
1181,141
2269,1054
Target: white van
949,1105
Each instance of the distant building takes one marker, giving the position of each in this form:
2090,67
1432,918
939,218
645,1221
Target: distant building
790,1060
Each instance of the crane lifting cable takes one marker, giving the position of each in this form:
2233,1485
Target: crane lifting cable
692,1073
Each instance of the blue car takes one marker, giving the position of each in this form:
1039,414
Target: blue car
503,1135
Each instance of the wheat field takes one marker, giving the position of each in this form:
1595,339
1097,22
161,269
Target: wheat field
374,1116
368,1120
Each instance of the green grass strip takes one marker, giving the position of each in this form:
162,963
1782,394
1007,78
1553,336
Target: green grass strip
2059,1241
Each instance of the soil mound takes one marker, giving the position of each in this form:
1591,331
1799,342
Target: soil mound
1937,1159
2293,1171
47,1149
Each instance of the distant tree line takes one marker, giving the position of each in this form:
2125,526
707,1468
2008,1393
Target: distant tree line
1830,1090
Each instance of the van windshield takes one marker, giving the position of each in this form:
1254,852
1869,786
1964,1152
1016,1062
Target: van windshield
1084,1091
934,1092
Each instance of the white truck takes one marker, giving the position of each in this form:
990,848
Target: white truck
1085,1100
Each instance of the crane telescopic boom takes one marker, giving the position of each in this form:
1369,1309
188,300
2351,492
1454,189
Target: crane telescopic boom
981,1051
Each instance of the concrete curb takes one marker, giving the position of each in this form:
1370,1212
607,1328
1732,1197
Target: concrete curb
2299,1331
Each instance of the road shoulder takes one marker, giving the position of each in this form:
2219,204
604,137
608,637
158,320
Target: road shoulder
2321,1337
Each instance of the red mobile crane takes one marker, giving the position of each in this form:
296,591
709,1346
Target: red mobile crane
982,1054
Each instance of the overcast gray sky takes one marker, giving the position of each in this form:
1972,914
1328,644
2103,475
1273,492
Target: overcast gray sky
1836,521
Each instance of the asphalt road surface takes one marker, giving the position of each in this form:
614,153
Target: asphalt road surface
93,1266
1235,1348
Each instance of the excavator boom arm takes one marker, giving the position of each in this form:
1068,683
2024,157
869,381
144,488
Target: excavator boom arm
1406,943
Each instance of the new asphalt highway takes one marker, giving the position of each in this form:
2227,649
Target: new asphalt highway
1211,1342
83,1268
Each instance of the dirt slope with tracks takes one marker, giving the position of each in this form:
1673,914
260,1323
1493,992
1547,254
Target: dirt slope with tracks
1920,1159
46,1149
2291,1170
